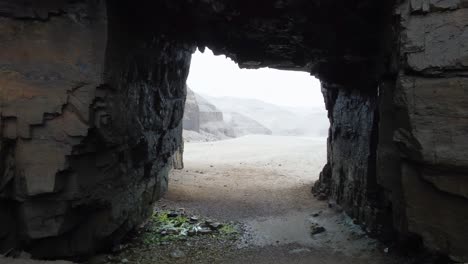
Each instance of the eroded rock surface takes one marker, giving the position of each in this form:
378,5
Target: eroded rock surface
90,116
418,180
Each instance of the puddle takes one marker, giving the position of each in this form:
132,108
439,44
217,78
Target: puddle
293,228
340,235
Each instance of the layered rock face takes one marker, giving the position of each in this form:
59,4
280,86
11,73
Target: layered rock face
202,116
191,120
430,103
92,97
402,165
208,113
90,115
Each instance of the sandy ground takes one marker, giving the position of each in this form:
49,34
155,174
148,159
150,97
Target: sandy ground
264,183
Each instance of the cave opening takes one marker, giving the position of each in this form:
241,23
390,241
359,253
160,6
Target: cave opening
254,122
255,141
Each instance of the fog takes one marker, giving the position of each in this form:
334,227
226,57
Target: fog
252,101
220,76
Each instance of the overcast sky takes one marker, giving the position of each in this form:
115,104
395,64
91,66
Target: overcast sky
220,76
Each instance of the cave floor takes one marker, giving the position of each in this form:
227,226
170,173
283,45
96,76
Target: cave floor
262,183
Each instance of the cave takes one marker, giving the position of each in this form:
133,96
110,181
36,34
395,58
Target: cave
93,91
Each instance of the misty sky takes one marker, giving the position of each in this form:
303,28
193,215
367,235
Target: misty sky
220,76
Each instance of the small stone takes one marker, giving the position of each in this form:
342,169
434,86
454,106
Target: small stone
172,231
215,226
317,214
124,260
193,219
205,231
385,250
280,165
177,253
172,214
316,229
211,166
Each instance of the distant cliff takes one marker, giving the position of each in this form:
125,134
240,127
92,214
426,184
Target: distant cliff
211,123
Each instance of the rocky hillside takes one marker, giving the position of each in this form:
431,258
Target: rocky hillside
242,125
203,121
281,120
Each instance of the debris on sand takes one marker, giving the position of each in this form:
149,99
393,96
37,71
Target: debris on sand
316,229
171,225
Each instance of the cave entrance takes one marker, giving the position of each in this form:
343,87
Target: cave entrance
254,143
254,133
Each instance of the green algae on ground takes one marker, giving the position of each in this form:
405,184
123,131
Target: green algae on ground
164,227
228,230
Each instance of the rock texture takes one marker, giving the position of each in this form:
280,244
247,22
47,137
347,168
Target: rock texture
204,117
209,115
413,142
92,98
281,120
86,132
191,120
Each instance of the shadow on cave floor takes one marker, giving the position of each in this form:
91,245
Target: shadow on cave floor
263,183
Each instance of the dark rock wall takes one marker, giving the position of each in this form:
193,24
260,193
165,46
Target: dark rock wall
431,99
90,110
412,176
351,152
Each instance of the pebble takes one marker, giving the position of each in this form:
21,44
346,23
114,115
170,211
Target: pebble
205,231
124,260
172,214
215,226
317,214
316,229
